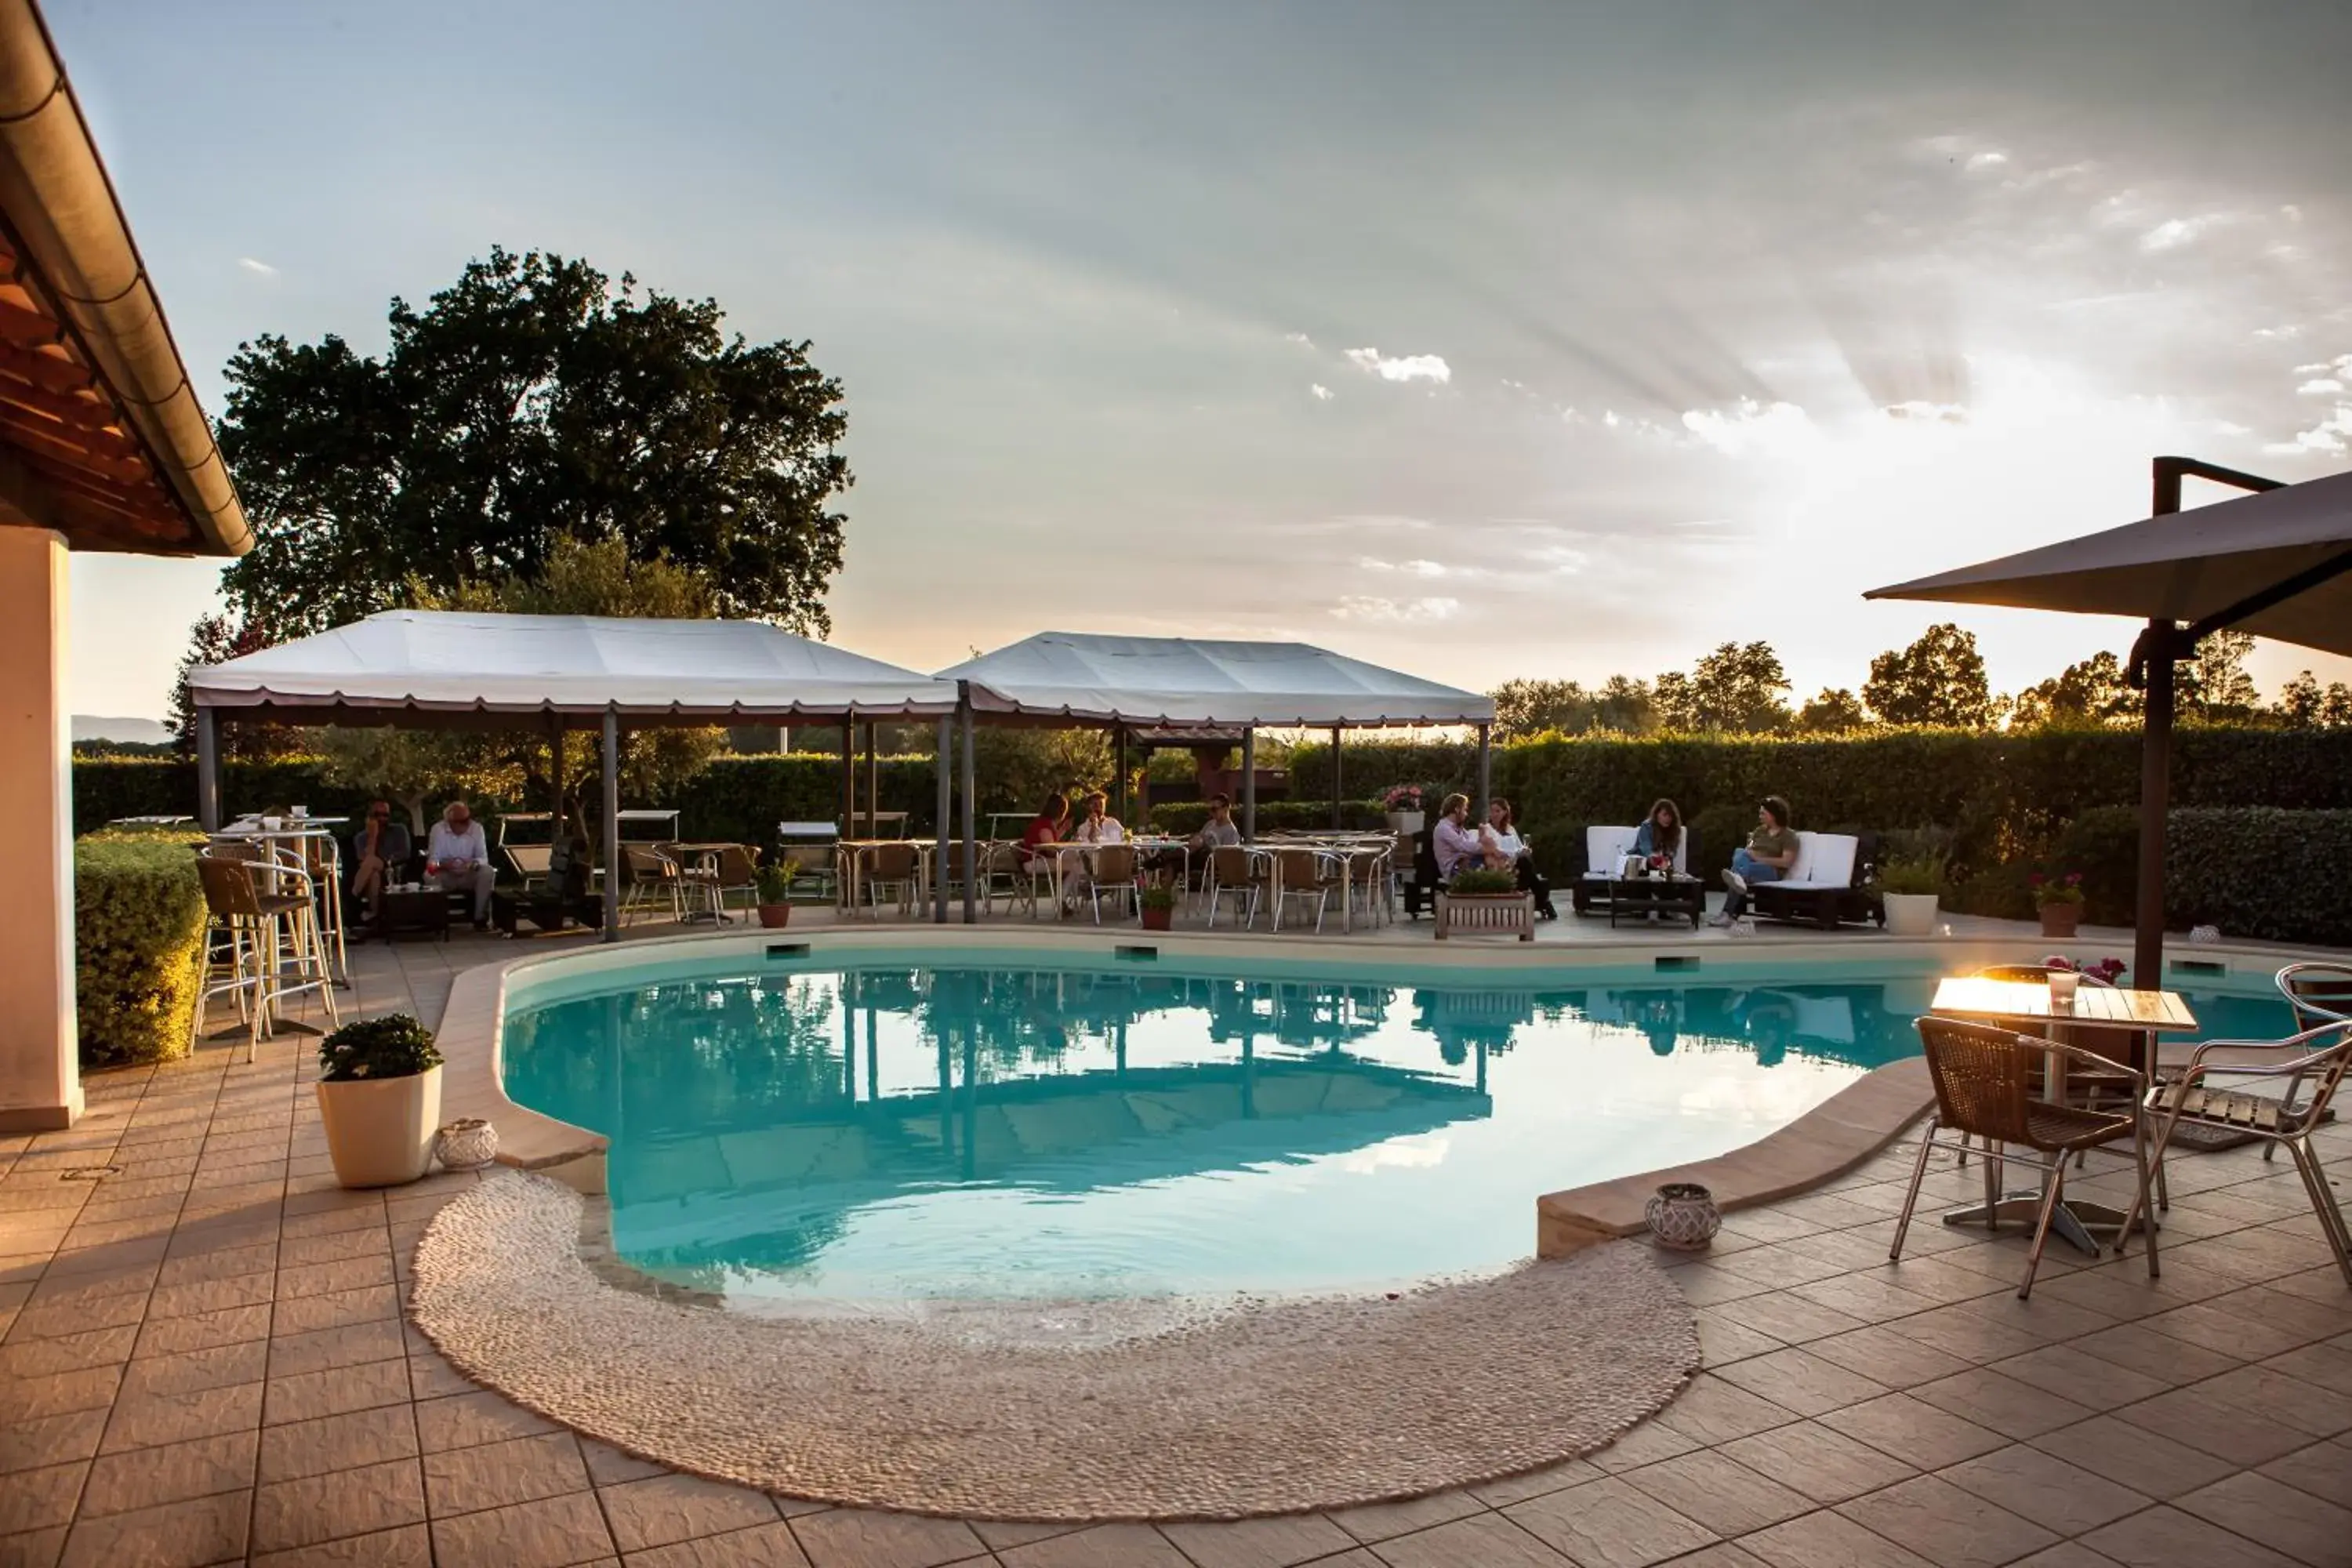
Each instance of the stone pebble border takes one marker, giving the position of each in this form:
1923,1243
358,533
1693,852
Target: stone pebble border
1272,1407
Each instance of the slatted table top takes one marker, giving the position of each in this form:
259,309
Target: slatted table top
2028,1001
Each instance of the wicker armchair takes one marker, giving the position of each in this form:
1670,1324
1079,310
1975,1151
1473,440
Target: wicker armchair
1234,873
1112,870
1984,1078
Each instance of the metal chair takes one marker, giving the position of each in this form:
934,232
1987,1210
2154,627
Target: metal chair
1235,870
1984,1079
2308,1079
1305,874
1112,872
652,881
276,947
894,864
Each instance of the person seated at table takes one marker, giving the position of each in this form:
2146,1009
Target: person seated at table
1218,832
458,860
1451,841
1099,826
1046,827
1660,833
1771,850
1503,850
380,852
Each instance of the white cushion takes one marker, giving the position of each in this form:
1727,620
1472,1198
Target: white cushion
1606,847
1824,861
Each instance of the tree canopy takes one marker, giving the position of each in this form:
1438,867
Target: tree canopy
1738,689
1938,681
533,401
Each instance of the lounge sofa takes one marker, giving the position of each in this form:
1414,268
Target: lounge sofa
1605,849
1830,884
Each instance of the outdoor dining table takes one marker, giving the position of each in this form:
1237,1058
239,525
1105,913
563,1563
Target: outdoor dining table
705,858
1350,851
853,853
1057,849
2128,1020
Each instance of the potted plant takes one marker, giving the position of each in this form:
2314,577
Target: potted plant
1402,804
379,1096
776,891
1481,899
2059,900
1910,887
1158,902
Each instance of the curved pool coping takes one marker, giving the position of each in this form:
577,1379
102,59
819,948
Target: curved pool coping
1824,1142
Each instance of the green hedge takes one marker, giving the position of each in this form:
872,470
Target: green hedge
1273,816
139,919
2286,875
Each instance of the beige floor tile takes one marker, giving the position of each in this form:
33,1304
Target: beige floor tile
1788,1319
862,1538
466,1420
203,1330
2284,1517
347,1344
1608,1524
2162,1357
1887,1357
66,1353
2222,1430
305,1314
221,1366
2168,1538
1710,1410
1722,1341
174,1472
39,1499
308,1395
1825,1540
762,1546
1259,1543
661,1510
1536,1483
2323,1470
338,1503
1488,1539
345,1442
1824,1464
32,1442
1375,1523
1799,1381
1718,1491
2084,1379
1947,1526
610,1467
176,1535
410,1546
521,1469
549,1533
2001,1404
151,1420
1123,1543
1919,1434
2041,1486
2134,1457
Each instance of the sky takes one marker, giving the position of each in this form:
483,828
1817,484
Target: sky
1480,340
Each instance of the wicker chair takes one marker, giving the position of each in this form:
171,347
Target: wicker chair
1235,873
896,866
274,945
1307,874
1112,871
1984,1079
2311,1070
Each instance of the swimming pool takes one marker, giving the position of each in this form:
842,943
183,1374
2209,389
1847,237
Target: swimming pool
885,1125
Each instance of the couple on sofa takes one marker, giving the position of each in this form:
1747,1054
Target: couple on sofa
1769,852
1495,845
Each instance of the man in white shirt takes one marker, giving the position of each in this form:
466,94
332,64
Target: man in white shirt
457,858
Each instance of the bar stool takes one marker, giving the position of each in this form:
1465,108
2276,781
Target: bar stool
273,938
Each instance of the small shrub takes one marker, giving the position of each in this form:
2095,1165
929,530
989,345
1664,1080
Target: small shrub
1159,896
1479,879
139,923
1910,873
2104,842
2282,876
394,1046
776,879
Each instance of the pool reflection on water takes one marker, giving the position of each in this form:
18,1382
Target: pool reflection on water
880,1132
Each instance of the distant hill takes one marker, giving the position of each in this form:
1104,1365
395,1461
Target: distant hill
128,732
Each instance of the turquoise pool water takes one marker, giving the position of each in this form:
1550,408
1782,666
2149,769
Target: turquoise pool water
898,1128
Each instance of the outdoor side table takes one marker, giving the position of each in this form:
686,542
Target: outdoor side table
1635,897
425,910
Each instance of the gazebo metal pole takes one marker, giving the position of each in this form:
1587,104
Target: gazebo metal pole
208,812
1335,776
964,761
555,774
1249,785
613,857
1486,771
849,775
943,763
873,778
1118,769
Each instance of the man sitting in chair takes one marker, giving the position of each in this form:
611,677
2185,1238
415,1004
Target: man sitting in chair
379,857
458,860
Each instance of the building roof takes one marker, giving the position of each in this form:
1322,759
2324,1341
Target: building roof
1186,682
407,666
100,437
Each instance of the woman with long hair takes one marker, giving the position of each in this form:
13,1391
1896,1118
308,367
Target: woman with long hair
1505,850
1661,832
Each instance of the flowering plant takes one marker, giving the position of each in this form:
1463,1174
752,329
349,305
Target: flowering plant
1661,863
2067,889
1403,797
2106,971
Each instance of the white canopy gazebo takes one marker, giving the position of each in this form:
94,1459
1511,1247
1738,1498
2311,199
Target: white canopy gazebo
1176,687
447,669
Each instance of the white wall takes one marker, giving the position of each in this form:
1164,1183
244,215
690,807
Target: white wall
40,1084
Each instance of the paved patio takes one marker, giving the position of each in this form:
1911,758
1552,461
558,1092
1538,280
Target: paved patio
204,1362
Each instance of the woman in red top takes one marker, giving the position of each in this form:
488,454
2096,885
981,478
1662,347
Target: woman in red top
1046,827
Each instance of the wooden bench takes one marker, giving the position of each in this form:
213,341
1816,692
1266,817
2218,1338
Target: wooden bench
1487,914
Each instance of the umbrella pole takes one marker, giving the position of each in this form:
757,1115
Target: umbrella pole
2154,801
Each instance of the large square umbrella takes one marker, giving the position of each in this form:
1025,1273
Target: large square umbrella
2277,564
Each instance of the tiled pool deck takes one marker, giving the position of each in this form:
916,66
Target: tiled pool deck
203,1361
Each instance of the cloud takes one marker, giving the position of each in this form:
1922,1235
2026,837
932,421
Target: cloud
1392,611
1925,412
1983,160
1322,393
1750,426
1301,339
1416,568
2332,435
1408,367
2175,232
258,268
2320,386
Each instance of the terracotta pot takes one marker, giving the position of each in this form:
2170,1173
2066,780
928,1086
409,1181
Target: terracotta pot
2060,919
1158,920
379,1131
775,916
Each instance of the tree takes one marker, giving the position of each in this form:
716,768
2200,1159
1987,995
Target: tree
1938,681
1625,706
2091,694
1833,712
215,639
2303,705
2214,686
1525,708
1736,689
533,401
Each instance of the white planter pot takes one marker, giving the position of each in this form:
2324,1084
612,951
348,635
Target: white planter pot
379,1133
1405,821
1910,914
